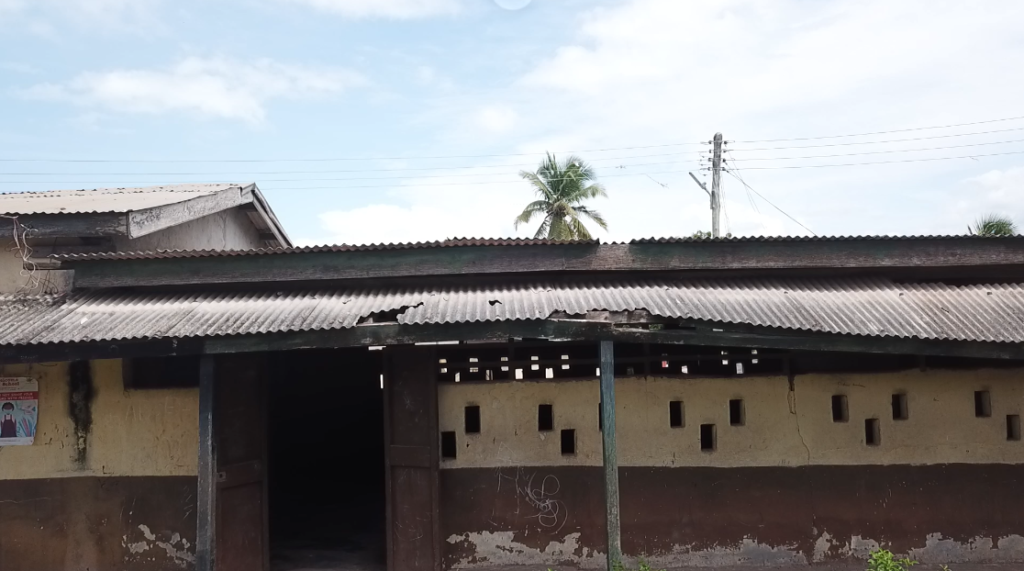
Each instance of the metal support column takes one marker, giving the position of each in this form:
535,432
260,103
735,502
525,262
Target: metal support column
206,512
611,459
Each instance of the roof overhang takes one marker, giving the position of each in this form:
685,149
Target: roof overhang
144,221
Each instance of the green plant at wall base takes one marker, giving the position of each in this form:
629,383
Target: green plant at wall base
643,566
884,560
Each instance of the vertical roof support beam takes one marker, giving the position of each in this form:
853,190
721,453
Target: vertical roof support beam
611,460
206,520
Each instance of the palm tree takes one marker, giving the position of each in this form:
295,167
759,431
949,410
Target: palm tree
563,188
993,225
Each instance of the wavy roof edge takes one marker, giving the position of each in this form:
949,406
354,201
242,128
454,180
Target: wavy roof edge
471,242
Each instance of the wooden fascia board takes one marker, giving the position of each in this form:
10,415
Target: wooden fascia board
75,224
561,330
149,220
270,220
483,260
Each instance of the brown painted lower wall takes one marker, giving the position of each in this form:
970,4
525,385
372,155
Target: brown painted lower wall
98,524
728,516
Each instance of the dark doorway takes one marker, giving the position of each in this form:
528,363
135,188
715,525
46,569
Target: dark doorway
326,461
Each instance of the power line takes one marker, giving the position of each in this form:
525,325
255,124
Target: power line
883,152
770,202
886,162
338,159
884,132
883,142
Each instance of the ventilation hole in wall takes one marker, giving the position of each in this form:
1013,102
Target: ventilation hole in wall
519,374
504,368
753,352
474,360
549,373
982,404
534,367
1013,427
685,370
382,380
489,375
474,369
675,414
448,445
707,437
872,432
565,367
664,364
545,418
472,419
629,371
565,357
840,409
739,368
442,361
725,361
597,372
458,377
737,413
568,442
899,407
444,369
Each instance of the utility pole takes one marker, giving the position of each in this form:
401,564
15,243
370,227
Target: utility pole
716,183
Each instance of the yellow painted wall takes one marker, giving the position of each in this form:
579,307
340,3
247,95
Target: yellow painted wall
782,428
152,432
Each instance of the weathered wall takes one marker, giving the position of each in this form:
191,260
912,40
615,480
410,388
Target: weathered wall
227,230
113,490
789,486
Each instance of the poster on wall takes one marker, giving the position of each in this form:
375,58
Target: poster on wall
19,410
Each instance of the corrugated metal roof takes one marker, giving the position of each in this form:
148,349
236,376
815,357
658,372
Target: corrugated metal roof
870,307
105,199
687,239
449,243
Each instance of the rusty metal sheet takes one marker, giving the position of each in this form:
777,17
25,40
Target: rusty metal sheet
870,307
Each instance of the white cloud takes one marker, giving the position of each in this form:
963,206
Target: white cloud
39,16
391,9
650,72
212,87
496,118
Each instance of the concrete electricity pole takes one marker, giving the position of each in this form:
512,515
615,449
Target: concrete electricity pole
716,184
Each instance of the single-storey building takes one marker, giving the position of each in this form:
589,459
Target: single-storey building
218,216
473,404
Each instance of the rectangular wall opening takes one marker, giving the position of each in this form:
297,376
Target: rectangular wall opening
545,418
1013,427
568,442
325,462
899,407
707,438
737,413
472,419
872,432
840,409
982,404
449,448
675,414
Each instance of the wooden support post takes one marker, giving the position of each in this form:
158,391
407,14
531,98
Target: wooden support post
206,512
611,459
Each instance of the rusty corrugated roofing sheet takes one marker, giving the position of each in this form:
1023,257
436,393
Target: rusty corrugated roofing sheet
449,243
105,199
870,307
687,239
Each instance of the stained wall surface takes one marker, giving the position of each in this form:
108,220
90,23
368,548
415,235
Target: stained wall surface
116,492
791,485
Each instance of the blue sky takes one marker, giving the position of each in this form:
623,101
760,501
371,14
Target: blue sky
340,107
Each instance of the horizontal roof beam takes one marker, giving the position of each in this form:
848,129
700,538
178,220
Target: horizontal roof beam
948,253
556,330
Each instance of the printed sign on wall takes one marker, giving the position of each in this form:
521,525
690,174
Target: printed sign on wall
19,410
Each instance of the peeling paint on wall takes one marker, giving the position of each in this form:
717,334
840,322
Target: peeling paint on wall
501,548
1009,549
80,395
747,552
175,549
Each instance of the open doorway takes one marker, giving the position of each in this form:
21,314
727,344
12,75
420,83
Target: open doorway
326,461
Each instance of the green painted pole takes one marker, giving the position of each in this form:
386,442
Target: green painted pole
611,459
